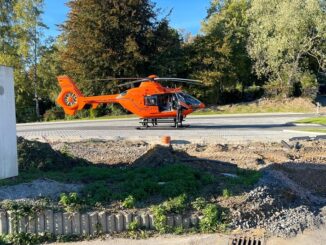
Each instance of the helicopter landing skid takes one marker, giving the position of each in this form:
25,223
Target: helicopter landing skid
153,123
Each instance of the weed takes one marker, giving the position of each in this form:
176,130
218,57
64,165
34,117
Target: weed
214,219
96,192
178,230
70,202
226,193
210,220
129,202
133,226
177,204
159,212
199,203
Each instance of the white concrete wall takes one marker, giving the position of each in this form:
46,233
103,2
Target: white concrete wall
8,141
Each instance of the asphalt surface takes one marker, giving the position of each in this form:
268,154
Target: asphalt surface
230,128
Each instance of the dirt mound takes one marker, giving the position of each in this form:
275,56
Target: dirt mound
105,152
156,157
37,155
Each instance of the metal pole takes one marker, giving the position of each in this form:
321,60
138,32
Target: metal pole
37,106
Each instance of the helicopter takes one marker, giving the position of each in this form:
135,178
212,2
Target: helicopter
151,101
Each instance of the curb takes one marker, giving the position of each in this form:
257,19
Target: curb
303,132
92,223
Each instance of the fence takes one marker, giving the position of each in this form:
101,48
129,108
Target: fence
59,223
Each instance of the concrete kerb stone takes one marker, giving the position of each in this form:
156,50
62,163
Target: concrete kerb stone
111,227
59,223
119,222
102,222
49,222
128,219
3,223
84,219
67,223
94,223
31,228
40,223
76,224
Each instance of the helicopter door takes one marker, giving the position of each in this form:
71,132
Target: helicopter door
151,100
165,102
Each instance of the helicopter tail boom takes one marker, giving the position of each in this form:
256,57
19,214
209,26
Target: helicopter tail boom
71,99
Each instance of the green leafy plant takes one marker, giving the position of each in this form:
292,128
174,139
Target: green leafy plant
226,193
210,221
177,204
129,202
70,202
199,203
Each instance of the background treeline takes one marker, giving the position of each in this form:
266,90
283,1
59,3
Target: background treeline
246,49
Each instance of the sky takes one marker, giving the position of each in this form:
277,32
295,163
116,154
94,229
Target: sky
186,14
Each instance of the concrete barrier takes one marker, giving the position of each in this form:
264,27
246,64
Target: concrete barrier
8,140
59,223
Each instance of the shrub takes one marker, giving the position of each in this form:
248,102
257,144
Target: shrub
116,110
277,88
55,113
309,85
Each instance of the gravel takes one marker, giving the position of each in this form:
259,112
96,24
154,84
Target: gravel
37,188
278,211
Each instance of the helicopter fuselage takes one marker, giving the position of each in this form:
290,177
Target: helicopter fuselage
150,100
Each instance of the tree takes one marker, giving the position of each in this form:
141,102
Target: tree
117,39
20,34
105,39
28,27
221,59
286,37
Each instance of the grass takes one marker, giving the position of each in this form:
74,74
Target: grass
313,120
313,130
298,105
131,185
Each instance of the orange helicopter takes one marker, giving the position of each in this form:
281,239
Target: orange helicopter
152,102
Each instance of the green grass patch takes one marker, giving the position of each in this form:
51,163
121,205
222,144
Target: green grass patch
313,120
313,130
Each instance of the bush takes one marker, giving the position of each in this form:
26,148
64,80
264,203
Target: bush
309,85
277,88
55,113
116,110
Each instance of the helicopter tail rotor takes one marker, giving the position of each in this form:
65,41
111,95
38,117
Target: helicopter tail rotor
69,97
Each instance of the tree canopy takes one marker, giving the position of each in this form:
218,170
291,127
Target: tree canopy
245,48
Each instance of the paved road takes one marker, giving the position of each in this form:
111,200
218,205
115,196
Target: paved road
234,128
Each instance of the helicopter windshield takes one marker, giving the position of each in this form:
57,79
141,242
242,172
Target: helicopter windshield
188,99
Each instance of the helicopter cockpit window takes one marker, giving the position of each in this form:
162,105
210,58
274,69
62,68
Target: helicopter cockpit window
151,100
188,99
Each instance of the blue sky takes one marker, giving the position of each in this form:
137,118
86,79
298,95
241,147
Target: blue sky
187,14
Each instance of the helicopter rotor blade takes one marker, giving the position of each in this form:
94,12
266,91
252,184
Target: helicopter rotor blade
133,82
181,80
114,79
